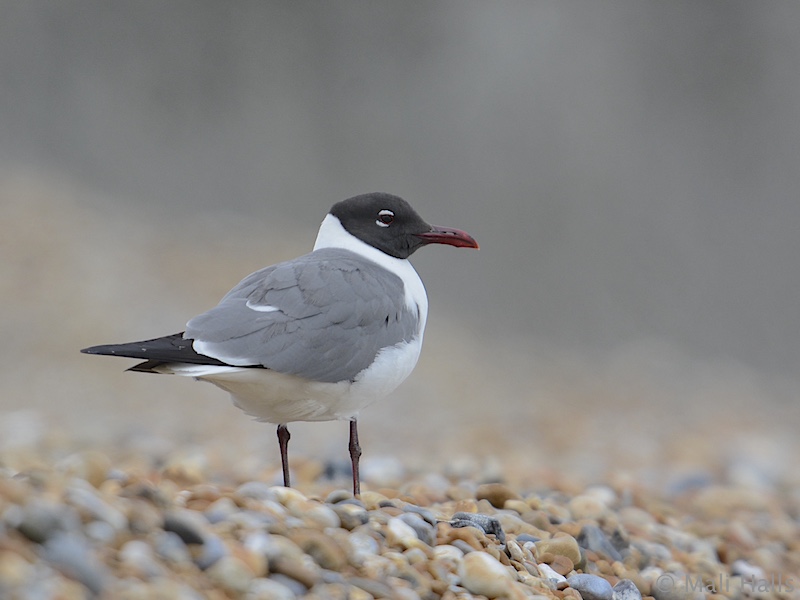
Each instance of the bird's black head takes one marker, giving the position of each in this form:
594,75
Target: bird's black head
389,224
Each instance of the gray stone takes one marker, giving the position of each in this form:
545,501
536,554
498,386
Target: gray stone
213,550
70,553
258,490
83,496
592,538
485,523
350,515
186,528
40,520
169,546
263,588
426,514
626,590
423,529
297,588
591,587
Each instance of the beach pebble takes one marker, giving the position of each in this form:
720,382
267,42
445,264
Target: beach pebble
39,520
747,571
625,589
482,574
130,532
213,549
232,574
71,554
399,533
86,499
562,545
552,576
591,586
321,547
263,588
91,466
350,515
592,538
496,493
187,525
171,548
139,556
486,523
423,529
381,471
587,507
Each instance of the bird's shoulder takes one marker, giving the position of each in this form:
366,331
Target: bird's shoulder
324,276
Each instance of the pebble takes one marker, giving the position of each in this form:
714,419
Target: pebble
232,574
14,570
263,588
85,499
400,533
671,586
213,549
39,520
482,574
565,545
88,528
140,557
587,507
381,471
496,493
350,515
325,551
551,575
256,490
746,570
625,589
186,526
90,466
424,530
71,554
486,523
170,547
591,586
592,538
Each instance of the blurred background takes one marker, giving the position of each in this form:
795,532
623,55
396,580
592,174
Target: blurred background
630,169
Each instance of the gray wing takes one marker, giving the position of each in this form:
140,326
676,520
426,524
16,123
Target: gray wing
323,316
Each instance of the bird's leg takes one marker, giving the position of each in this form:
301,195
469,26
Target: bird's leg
355,454
283,442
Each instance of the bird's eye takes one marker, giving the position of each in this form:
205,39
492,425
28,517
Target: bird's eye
385,218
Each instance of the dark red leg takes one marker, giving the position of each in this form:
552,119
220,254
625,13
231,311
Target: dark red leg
283,442
355,454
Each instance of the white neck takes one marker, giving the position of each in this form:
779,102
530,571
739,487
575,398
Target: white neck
333,235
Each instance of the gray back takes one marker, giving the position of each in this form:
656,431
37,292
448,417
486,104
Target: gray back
335,312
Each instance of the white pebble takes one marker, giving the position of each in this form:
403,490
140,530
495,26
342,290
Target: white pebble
483,574
231,573
262,588
547,572
448,551
400,533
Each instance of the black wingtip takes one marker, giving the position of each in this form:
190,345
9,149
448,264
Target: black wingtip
92,350
167,349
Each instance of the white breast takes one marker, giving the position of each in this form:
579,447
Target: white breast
333,235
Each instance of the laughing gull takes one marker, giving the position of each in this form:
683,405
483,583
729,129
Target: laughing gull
319,337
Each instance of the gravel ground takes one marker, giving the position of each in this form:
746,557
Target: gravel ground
89,527
498,470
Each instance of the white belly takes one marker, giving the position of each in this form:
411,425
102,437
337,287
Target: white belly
280,398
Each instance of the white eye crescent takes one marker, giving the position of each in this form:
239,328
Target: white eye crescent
385,218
